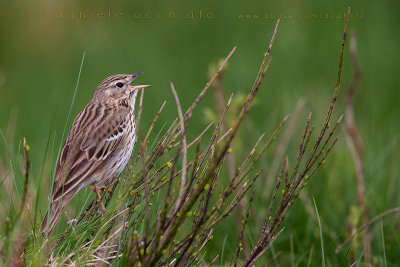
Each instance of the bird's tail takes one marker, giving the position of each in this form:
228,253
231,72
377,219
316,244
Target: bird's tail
55,211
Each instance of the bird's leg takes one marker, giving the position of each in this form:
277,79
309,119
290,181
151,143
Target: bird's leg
103,187
97,191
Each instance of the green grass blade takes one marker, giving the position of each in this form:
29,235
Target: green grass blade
383,246
65,129
291,251
320,234
358,261
274,256
223,249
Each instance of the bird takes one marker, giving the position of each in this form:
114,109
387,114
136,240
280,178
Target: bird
98,146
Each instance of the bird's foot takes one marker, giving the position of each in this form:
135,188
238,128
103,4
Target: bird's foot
105,188
97,190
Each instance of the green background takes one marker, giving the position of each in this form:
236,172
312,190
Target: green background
40,57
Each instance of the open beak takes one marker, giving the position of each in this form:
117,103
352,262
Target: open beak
133,88
137,74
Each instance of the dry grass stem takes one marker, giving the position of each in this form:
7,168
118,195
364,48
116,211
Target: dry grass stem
355,145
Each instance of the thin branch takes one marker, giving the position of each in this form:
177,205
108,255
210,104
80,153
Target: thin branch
188,113
184,149
373,220
25,190
140,109
280,150
26,175
355,145
273,238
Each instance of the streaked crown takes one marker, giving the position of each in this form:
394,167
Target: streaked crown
117,89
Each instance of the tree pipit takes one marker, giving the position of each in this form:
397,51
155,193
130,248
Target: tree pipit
99,144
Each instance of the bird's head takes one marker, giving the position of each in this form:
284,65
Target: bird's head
117,89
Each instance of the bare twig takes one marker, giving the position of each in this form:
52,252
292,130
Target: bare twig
184,149
212,262
292,188
154,121
280,150
25,190
257,83
373,220
273,238
355,145
217,160
18,243
26,175
140,109
350,125
243,228
188,113
230,158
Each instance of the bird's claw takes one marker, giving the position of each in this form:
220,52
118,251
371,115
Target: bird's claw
97,190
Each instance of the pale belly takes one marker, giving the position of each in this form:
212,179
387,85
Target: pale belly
119,159
115,163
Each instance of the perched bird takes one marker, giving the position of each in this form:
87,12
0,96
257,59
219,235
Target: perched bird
99,144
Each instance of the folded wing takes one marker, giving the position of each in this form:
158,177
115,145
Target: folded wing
94,136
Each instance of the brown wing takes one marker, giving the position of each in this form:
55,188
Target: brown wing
94,135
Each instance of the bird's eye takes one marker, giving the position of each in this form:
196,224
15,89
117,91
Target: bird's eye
120,84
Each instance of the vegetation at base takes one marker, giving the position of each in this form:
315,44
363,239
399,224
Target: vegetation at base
177,191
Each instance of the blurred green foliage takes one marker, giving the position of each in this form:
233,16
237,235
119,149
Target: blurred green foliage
39,63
